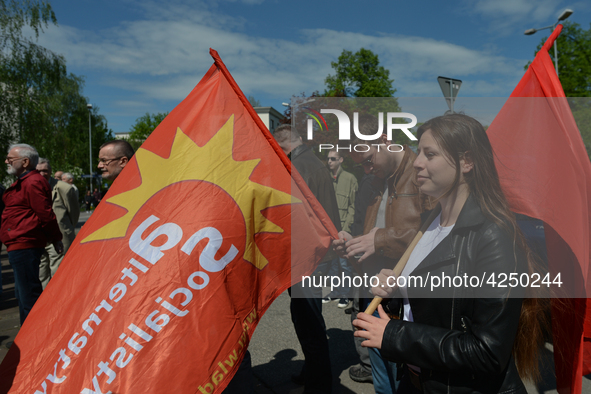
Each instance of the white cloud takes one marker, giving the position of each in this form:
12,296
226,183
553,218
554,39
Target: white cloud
163,56
177,51
508,16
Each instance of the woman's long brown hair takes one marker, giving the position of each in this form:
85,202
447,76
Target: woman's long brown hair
462,137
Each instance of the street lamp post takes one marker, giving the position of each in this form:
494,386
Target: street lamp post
565,14
295,106
89,106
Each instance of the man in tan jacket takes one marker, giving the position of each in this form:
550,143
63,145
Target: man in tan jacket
67,211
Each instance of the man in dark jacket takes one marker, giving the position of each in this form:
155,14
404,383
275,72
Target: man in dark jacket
28,224
306,303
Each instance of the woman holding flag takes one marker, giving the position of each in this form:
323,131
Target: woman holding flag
480,335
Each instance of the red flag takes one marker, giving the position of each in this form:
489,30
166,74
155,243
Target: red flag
546,174
166,282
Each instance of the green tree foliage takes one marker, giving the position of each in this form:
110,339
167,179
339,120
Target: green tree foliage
359,85
143,127
359,74
41,104
581,109
574,71
360,77
18,53
16,14
254,102
574,59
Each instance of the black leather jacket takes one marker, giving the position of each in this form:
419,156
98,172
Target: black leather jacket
463,339
319,180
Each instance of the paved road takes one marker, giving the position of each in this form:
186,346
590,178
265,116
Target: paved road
276,353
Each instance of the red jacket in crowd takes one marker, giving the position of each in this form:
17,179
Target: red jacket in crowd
28,220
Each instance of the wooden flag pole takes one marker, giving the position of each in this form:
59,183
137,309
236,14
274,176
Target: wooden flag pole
404,259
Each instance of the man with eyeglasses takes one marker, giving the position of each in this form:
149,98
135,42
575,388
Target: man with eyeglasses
28,224
345,187
113,157
391,222
394,218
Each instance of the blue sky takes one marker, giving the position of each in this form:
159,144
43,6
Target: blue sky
146,56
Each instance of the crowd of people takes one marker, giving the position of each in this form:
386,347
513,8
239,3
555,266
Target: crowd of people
40,213
460,343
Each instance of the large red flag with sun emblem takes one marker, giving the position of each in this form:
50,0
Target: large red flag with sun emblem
168,279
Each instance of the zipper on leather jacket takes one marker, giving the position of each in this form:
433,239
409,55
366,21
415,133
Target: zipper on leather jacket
453,300
453,304
396,195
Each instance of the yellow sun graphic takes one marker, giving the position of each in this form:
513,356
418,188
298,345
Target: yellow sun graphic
212,163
